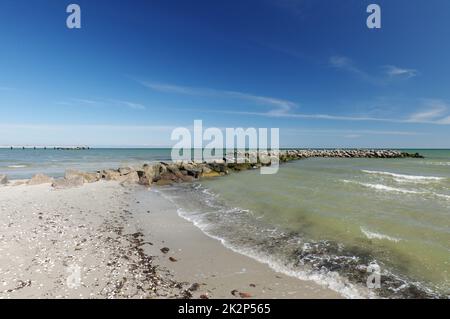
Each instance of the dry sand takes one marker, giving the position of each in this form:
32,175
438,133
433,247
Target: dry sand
112,237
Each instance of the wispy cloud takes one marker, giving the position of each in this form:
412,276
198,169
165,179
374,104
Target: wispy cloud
434,111
420,117
294,131
104,103
280,106
394,71
131,105
389,71
346,64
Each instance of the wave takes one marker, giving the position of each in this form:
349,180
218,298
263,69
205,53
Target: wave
330,280
402,177
17,166
327,279
436,163
374,235
381,187
329,264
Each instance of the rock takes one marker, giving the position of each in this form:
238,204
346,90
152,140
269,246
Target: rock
163,182
173,168
245,295
40,179
187,179
206,169
111,175
165,250
149,174
168,176
87,177
211,174
3,179
91,177
218,167
143,179
240,294
194,287
62,183
129,179
204,296
125,170
172,259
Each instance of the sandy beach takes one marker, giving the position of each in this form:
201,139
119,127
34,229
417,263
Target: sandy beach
106,240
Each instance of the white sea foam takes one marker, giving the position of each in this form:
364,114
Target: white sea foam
381,187
374,235
17,166
385,188
402,177
331,280
436,163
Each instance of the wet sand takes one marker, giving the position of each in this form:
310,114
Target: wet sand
103,240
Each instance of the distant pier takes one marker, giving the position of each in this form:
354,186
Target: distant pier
58,148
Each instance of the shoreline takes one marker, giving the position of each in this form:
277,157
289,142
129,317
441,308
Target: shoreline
121,249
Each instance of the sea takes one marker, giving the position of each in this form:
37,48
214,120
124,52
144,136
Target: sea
367,228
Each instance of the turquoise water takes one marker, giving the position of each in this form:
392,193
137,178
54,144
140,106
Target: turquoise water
325,219
319,219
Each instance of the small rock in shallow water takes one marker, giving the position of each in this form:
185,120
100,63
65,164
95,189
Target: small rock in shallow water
164,250
172,259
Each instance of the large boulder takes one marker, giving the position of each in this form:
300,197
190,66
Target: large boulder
168,176
40,179
163,182
211,173
111,175
3,179
191,169
129,179
62,183
174,169
147,174
87,177
125,170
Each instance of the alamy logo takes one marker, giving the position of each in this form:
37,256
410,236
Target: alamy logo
239,145
374,279
374,19
74,19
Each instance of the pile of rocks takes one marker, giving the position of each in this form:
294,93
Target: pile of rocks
169,173
349,153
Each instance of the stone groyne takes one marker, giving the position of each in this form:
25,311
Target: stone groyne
188,171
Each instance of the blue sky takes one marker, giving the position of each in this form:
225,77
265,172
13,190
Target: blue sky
138,69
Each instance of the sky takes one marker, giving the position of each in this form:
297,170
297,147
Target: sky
138,69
